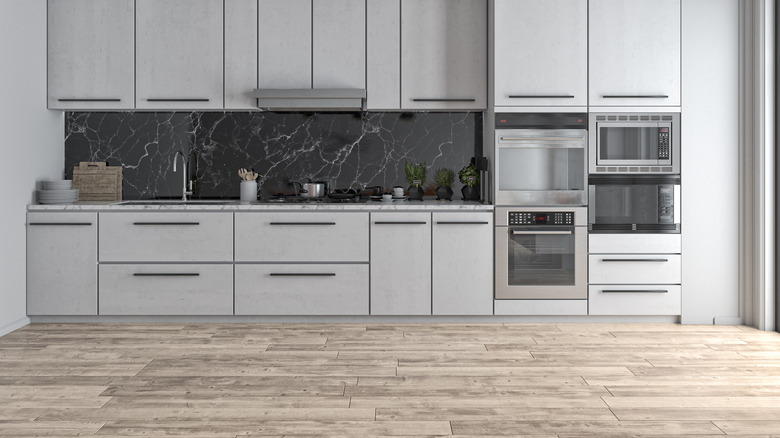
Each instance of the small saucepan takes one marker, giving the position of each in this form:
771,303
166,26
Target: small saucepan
313,189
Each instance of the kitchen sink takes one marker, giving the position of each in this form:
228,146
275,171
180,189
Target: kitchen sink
179,202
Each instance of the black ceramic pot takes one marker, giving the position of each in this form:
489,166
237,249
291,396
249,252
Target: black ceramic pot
416,193
444,193
470,193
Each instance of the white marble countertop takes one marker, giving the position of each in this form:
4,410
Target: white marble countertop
427,204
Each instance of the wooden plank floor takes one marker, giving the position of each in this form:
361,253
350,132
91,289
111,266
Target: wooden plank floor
358,380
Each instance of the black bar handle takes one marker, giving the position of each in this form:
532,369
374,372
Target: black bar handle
302,274
399,223
462,223
166,274
302,223
541,96
444,100
177,100
644,291
109,99
75,224
634,260
635,96
166,223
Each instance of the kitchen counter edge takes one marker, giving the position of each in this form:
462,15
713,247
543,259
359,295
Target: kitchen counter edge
427,205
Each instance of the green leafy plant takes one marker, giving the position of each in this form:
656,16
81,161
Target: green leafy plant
415,172
444,177
469,175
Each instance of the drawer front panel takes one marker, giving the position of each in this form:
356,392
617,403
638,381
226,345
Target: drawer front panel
166,289
166,237
302,289
302,237
634,299
634,269
635,243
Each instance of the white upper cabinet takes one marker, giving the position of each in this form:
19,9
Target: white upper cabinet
312,44
443,54
179,51
240,54
90,54
383,51
634,52
339,35
541,53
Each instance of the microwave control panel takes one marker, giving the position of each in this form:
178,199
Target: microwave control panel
663,143
532,218
665,204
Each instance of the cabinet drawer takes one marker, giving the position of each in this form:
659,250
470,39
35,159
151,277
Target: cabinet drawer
302,237
634,299
322,289
166,290
166,237
634,269
635,243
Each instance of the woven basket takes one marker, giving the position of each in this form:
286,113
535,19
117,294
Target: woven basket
97,181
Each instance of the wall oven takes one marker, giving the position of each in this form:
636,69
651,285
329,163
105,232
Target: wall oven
634,143
634,204
541,253
541,159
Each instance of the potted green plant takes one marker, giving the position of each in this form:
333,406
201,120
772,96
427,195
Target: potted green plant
415,176
444,178
469,176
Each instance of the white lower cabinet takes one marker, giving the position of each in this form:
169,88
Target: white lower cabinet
400,263
301,237
301,289
62,263
166,237
635,299
462,263
635,274
175,289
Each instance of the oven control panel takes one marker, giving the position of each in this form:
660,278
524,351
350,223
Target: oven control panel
663,143
534,218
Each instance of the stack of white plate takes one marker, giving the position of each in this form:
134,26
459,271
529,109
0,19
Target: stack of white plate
58,192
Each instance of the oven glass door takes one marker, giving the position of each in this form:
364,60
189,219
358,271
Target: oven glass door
541,256
628,144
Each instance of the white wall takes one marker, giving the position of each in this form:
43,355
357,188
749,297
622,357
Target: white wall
31,142
710,161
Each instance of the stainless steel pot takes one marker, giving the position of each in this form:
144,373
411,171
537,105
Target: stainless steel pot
313,189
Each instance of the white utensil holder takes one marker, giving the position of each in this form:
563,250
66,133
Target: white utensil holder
248,191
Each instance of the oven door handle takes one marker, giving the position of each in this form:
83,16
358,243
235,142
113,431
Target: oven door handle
544,233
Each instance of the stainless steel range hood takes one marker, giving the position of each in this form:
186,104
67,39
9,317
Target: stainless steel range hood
317,99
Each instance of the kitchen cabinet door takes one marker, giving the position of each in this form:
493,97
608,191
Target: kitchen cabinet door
463,263
240,54
179,54
443,54
383,62
339,37
62,270
400,263
634,57
541,53
284,44
90,54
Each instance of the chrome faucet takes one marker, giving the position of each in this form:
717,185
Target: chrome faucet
185,184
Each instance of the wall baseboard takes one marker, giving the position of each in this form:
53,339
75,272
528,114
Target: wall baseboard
16,325
727,320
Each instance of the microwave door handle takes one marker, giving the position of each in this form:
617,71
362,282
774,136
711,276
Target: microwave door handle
543,233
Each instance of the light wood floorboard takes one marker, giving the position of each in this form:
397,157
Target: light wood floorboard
389,380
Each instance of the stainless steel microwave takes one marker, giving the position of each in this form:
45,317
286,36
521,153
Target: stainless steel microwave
630,143
634,204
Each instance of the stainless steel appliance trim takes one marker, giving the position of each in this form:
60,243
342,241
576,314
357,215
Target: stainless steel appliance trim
580,213
635,260
579,290
561,233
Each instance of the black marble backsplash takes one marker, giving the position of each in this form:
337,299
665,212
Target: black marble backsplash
349,150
